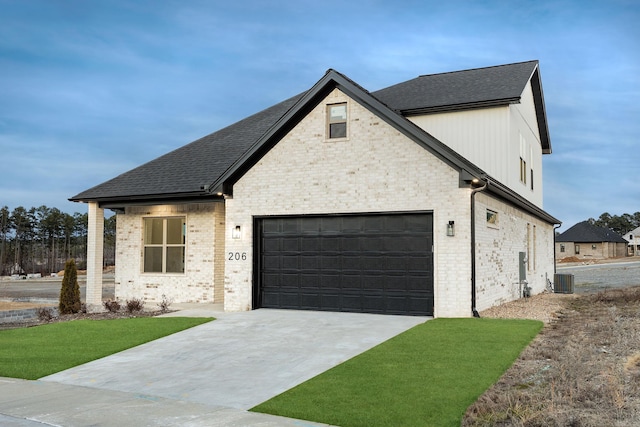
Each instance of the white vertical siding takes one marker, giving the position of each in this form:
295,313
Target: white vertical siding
491,138
481,136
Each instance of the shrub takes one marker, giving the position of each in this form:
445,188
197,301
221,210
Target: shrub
135,305
70,291
45,314
164,303
112,306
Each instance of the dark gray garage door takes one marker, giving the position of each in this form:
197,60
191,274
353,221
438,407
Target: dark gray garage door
380,263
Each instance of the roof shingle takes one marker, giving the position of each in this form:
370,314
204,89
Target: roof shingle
585,232
189,170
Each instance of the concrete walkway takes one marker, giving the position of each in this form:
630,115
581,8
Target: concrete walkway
226,366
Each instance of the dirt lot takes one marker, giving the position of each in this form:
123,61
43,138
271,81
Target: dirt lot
582,370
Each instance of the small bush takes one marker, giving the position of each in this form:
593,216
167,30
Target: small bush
165,303
70,291
112,306
135,305
45,314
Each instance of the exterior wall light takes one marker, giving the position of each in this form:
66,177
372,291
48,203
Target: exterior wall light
451,230
236,232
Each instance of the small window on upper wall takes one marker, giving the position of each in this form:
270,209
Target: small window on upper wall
523,170
492,218
337,120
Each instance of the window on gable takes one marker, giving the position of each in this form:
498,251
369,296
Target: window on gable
164,245
337,120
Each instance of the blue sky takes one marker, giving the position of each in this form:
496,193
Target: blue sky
91,89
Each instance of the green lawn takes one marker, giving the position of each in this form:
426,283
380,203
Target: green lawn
426,376
35,352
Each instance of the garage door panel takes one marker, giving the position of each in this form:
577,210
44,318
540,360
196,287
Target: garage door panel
309,262
330,280
310,300
378,263
330,262
290,244
290,261
330,302
309,281
351,282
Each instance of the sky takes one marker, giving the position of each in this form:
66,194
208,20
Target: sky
90,89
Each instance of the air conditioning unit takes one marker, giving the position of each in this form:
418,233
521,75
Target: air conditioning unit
563,283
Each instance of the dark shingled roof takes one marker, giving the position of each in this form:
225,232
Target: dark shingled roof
584,232
459,89
190,169
189,172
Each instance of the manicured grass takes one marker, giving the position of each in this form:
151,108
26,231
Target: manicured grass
35,352
426,376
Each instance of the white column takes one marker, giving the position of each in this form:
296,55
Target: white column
95,248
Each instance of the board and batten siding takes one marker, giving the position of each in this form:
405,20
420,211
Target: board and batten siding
490,138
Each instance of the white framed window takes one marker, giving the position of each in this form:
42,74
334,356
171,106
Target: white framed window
523,160
337,120
164,245
492,218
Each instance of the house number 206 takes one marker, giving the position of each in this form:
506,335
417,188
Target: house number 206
237,256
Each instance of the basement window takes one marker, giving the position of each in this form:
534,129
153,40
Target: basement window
337,120
164,245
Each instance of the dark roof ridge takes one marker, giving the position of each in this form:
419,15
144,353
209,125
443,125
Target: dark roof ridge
480,68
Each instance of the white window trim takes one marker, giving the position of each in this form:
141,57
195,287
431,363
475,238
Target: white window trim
164,246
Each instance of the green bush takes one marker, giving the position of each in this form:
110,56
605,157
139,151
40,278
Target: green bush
70,291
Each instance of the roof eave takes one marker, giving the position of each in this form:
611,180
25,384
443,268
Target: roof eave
541,113
460,107
150,199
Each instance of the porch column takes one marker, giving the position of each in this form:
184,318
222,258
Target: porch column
95,248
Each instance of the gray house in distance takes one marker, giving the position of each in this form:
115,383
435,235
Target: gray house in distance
587,241
423,198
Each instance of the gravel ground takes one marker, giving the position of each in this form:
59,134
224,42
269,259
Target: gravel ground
541,307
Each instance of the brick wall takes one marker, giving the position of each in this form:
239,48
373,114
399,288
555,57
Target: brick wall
374,169
497,248
204,255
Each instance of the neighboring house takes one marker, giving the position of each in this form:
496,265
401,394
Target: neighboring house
587,241
424,198
633,239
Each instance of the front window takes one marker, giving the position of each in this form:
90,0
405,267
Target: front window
164,245
337,120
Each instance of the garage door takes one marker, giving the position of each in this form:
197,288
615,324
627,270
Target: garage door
380,263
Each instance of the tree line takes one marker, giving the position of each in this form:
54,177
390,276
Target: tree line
40,240
620,224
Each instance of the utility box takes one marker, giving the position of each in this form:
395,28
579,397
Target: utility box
563,283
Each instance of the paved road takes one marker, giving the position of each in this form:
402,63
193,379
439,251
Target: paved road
597,277
48,288
587,278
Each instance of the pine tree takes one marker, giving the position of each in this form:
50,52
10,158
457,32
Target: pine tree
70,291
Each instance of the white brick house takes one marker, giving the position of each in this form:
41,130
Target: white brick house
422,198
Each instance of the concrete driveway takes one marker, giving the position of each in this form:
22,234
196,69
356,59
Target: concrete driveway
241,359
